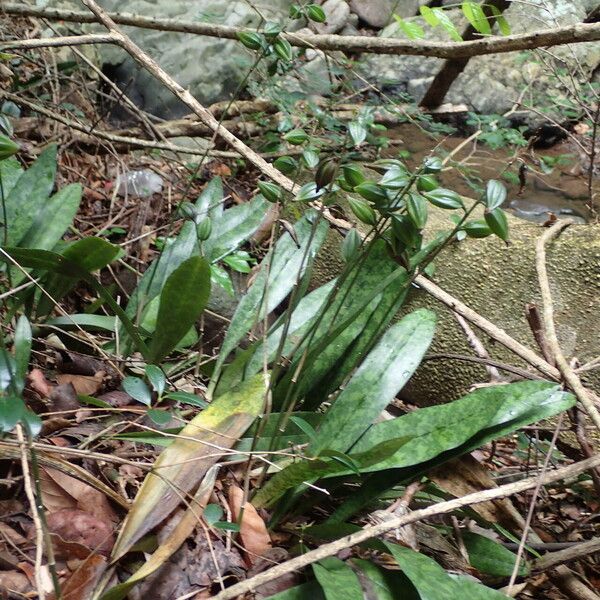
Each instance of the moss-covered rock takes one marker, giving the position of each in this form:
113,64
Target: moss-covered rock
498,281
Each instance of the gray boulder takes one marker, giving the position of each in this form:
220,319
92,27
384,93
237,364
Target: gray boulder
337,13
378,13
211,68
492,84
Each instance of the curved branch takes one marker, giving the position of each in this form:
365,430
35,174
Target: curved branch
584,32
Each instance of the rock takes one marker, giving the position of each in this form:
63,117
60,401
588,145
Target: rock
378,13
211,68
492,84
337,12
498,281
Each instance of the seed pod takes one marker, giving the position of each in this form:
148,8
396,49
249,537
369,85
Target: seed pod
283,49
432,165
7,147
362,211
353,175
326,172
296,137
204,229
270,191
372,192
188,211
250,39
315,13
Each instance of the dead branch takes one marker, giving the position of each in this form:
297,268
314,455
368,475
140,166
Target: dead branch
564,367
587,32
56,42
575,552
369,532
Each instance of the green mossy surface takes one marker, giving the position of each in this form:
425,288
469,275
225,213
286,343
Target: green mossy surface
498,281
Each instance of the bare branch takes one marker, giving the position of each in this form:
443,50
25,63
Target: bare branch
57,42
588,32
372,531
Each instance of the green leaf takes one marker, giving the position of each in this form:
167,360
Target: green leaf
270,191
28,196
380,377
312,469
56,263
495,194
362,211
286,164
358,133
382,584
430,580
286,265
431,18
305,426
338,580
490,557
497,222
477,229
7,147
308,192
22,351
353,174
89,254
500,19
187,398
10,172
226,526
182,301
137,389
234,227
445,21
53,219
443,198
416,207
475,15
310,590
212,513
159,417
310,158
412,30
85,321
453,429
183,464
372,192
157,378
12,410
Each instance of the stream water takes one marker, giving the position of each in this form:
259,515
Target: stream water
563,191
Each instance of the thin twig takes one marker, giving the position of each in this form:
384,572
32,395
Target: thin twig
369,532
564,367
587,32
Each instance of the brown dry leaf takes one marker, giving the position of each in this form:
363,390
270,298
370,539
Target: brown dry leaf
84,579
60,491
39,383
83,384
14,581
63,397
75,532
253,530
465,475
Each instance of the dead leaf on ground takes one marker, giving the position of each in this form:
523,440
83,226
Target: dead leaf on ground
39,383
83,384
76,534
63,397
61,491
253,530
14,581
81,584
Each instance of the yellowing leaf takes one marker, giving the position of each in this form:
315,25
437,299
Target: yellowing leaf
181,466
